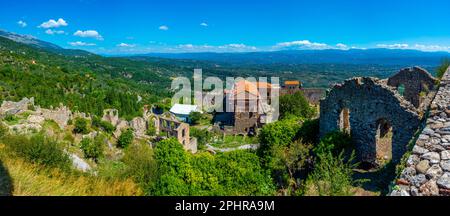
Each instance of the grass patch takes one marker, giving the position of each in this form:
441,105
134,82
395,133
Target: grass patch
231,141
31,180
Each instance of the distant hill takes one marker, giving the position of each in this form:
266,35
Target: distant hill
331,56
85,82
36,43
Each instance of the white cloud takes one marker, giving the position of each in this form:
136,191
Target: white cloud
431,48
186,46
164,28
88,34
22,24
79,43
421,47
54,24
303,44
241,47
394,46
204,24
341,46
234,47
126,45
52,32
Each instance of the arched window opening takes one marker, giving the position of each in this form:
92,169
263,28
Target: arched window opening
383,138
344,121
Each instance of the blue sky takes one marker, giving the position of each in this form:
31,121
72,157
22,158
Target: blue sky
124,27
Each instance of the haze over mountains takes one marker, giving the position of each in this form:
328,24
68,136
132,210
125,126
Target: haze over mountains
352,56
315,68
332,56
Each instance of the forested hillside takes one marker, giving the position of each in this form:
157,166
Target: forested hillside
85,82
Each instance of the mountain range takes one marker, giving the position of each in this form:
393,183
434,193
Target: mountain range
334,56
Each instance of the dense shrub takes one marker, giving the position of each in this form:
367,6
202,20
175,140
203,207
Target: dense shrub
443,68
10,118
295,105
280,133
38,149
104,125
194,117
125,139
93,148
232,173
151,130
3,130
140,166
309,131
81,126
334,142
332,176
287,162
203,137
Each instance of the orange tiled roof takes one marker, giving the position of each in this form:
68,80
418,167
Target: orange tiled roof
250,87
292,82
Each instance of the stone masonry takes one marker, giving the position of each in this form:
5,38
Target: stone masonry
416,83
360,106
427,171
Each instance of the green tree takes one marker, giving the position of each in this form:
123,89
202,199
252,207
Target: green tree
93,148
289,161
445,64
81,126
125,139
194,117
295,105
277,134
141,165
203,137
309,131
173,168
104,125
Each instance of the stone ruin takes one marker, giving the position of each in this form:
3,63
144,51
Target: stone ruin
168,125
413,83
13,108
427,169
112,116
60,115
380,119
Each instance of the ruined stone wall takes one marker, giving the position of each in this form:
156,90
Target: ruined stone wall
244,122
427,171
12,108
368,101
417,83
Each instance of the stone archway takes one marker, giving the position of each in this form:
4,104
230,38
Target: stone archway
383,141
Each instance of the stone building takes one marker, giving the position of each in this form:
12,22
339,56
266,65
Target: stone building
379,119
291,87
168,125
313,95
245,107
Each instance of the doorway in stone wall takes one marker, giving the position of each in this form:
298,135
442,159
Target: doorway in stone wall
383,139
344,121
